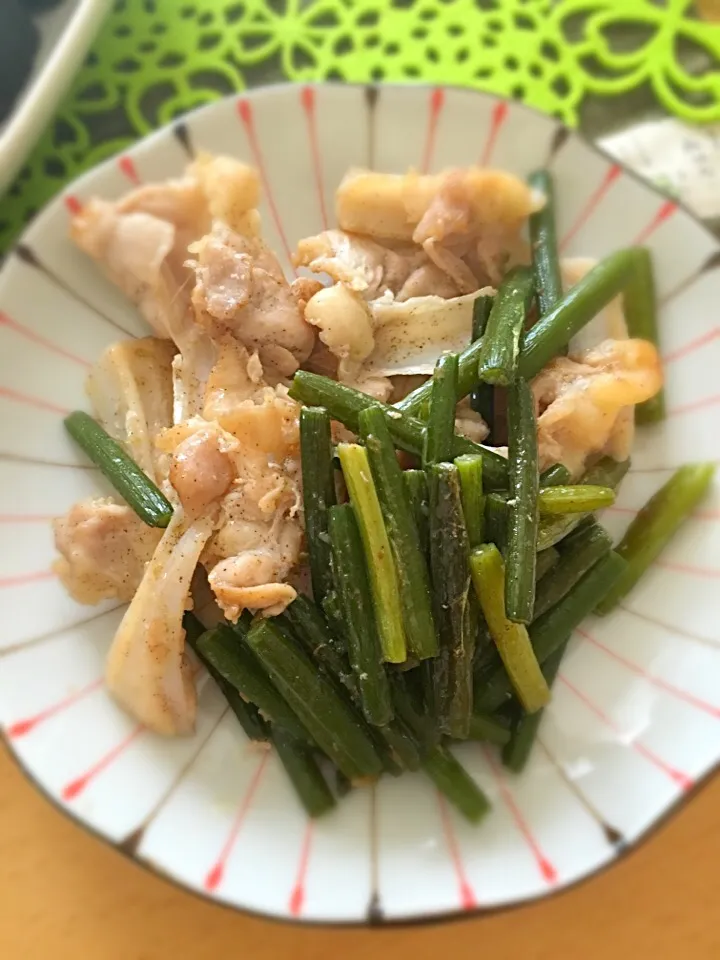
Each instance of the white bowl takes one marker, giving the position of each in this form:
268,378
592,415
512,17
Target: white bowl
65,34
635,719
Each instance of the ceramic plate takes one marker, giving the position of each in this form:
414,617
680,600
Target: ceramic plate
635,718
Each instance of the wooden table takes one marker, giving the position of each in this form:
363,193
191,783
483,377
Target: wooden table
64,895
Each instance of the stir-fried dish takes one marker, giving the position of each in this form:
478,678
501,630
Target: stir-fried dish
374,485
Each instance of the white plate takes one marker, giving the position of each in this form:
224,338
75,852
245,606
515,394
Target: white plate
65,35
635,719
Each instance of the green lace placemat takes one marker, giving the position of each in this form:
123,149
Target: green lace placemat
590,61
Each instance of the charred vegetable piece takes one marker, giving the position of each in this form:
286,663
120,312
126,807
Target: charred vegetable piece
452,669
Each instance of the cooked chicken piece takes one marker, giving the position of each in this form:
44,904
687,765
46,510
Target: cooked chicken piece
135,250
438,206
609,323
191,369
234,378
365,266
266,427
466,220
142,242
244,417
258,563
386,337
246,526
403,385
621,437
579,402
467,201
474,235
303,289
410,336
142,239
378,387
104,548
264,420
257,544
428,280
470,424
232,192
452,265
345,325
250,560
269,597
240,287
130,388
492,254
202,468
374,204
244,457
204,604
325,363
322,361
147,671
